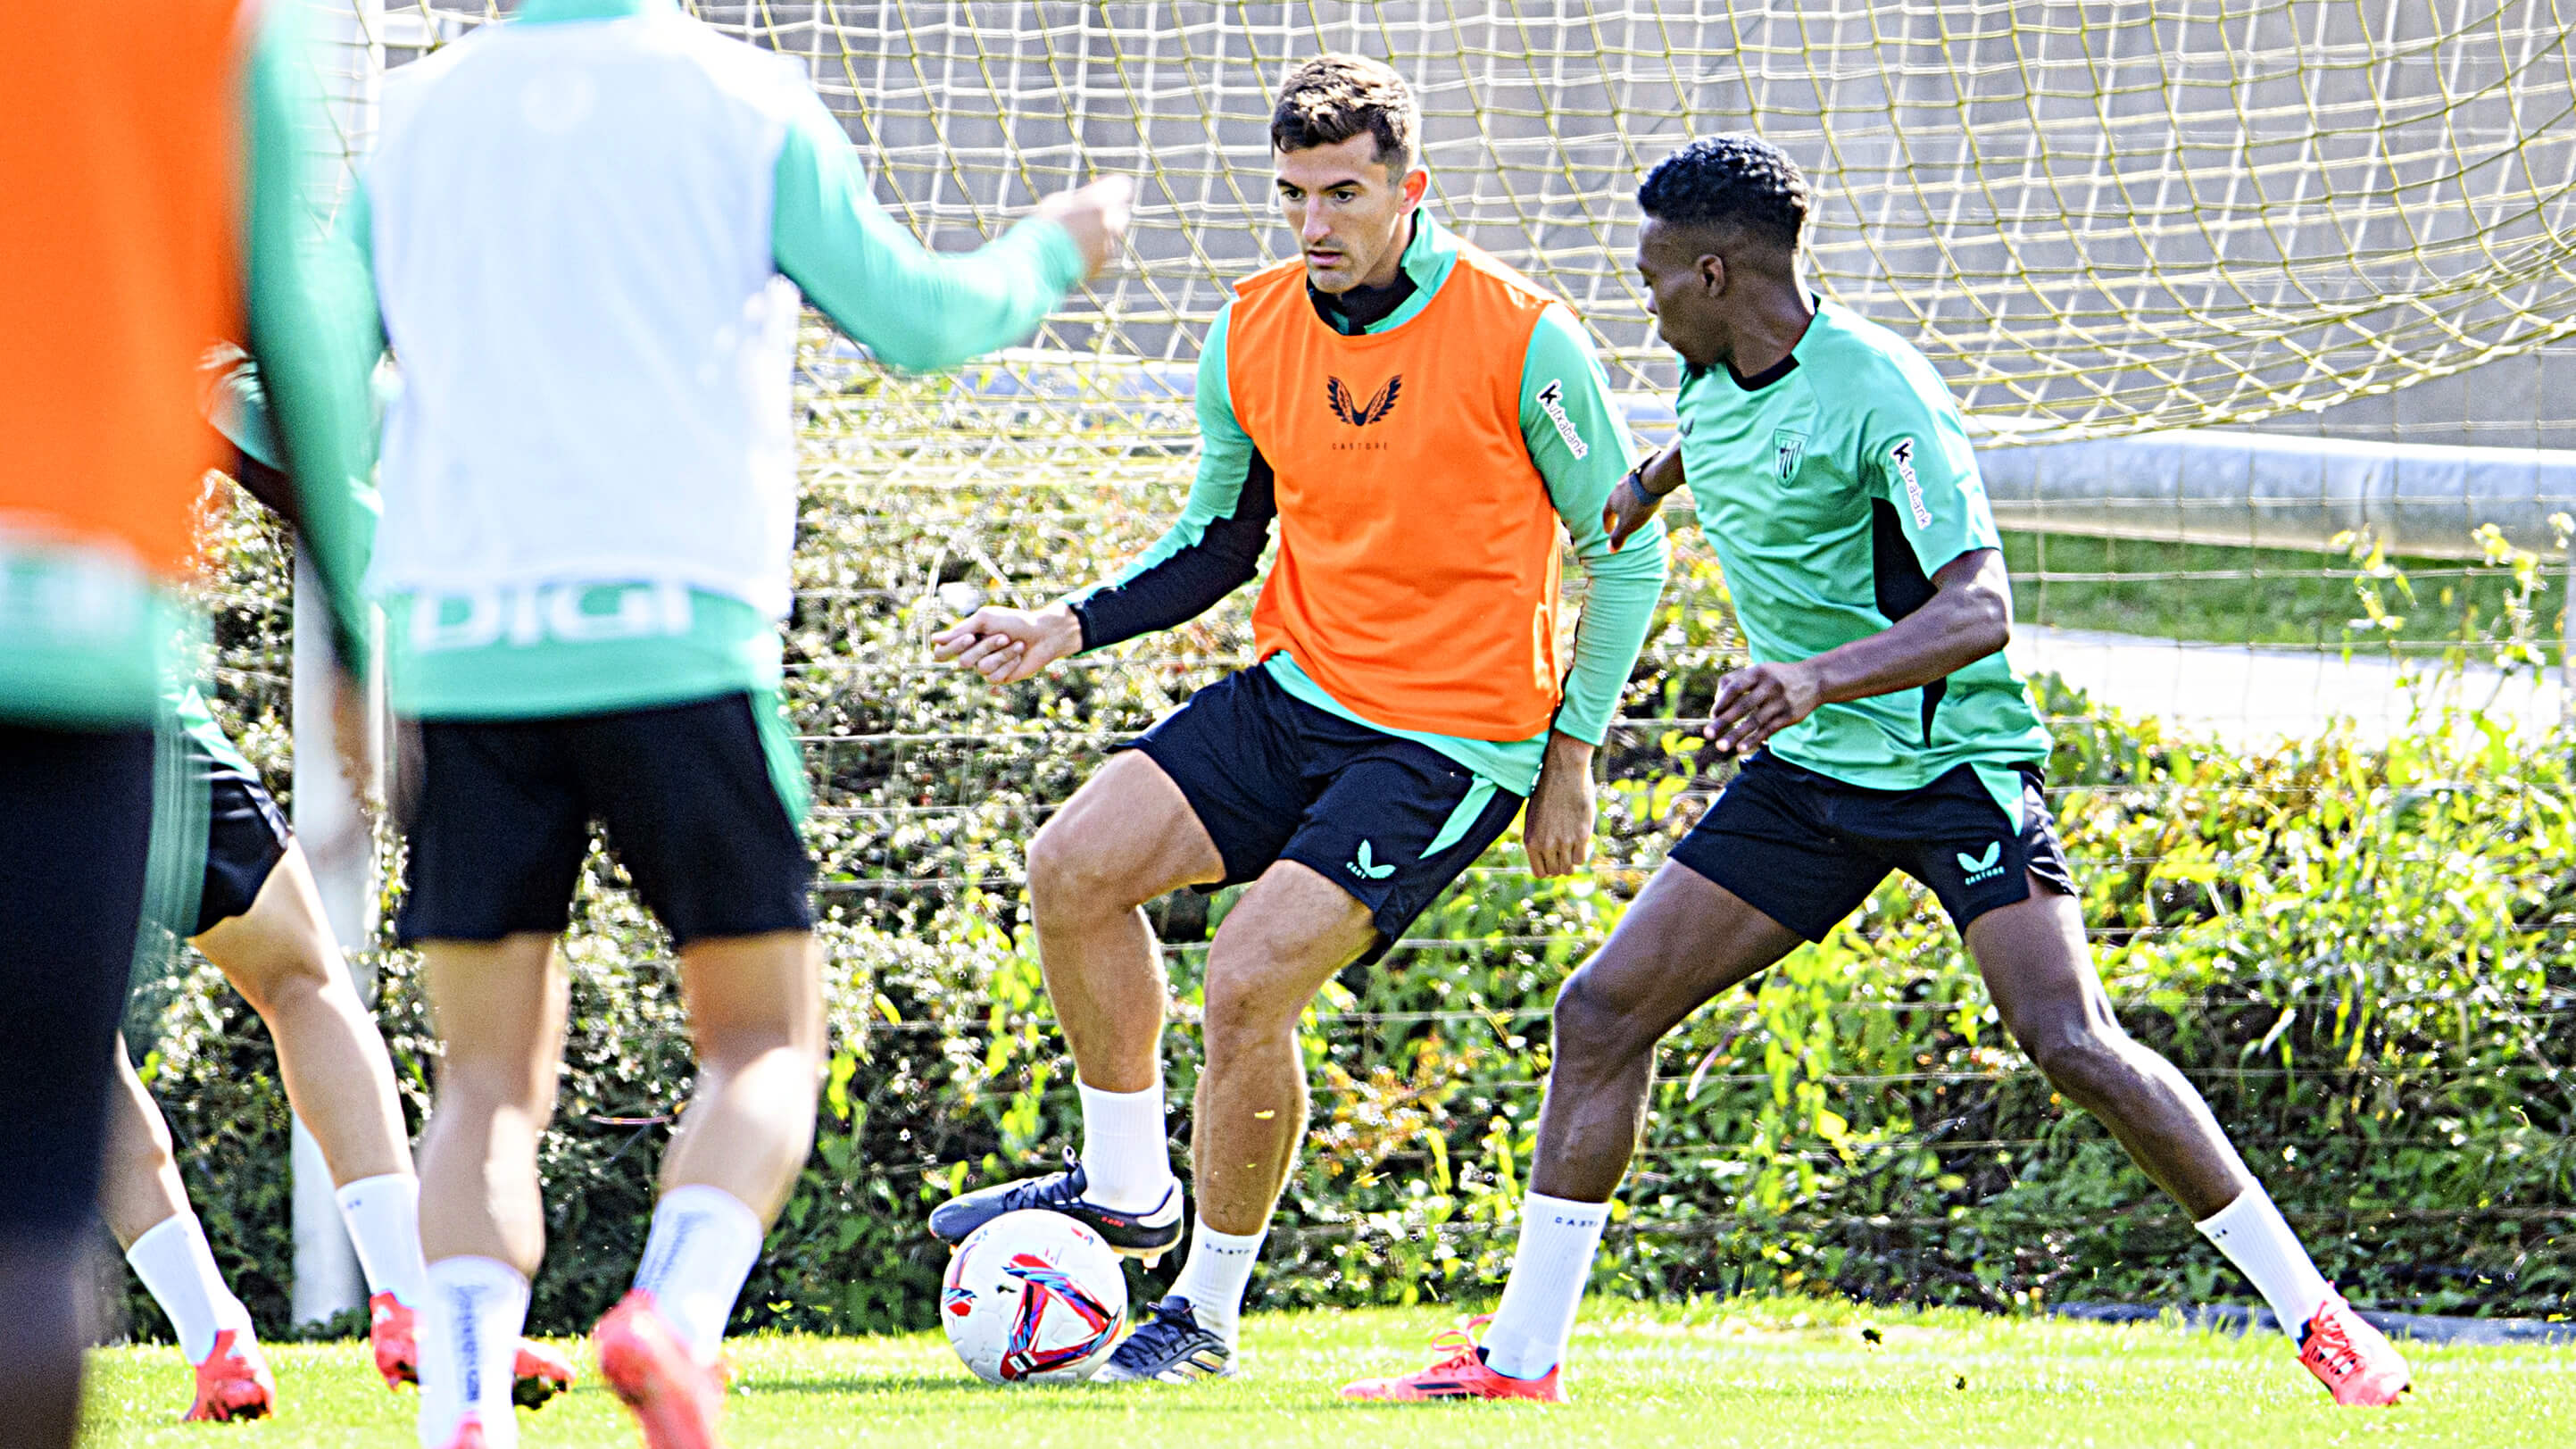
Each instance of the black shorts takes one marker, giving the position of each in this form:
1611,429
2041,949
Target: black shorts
701,803
1274,778
1806,849
246,835
75,842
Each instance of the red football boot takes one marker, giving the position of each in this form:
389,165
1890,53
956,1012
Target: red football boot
2355,1361
540,1372
233,1382
677,1400
1462,1374
391,1333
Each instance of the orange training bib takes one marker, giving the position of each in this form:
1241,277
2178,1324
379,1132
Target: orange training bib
1416,577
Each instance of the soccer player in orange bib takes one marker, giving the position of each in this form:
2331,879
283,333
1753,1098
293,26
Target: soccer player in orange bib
1427,429
158,196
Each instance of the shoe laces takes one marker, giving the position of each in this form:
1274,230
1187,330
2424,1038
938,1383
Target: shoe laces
1057,1189
2330,1343
1174,1324
1457,1344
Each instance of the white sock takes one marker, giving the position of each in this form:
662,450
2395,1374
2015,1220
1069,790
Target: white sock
178,1269
703,1244
471,1313
383,1214
1126,1149
1215,1277
1558,1239
2255,1237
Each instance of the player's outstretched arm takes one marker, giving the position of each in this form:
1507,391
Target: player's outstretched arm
1009,645
1214,549
1968,617
915,308
1579,444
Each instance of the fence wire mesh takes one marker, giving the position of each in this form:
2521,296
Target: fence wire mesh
2314,218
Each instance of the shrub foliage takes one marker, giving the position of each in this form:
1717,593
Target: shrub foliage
2360,954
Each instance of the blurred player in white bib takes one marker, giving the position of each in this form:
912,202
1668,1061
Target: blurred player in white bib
587,229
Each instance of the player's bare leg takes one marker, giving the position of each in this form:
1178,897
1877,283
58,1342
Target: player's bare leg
499,1007
140,1189
1126,837
1282,941
283,958
1685,940
1279,945
2039,969
756,1019
147,1210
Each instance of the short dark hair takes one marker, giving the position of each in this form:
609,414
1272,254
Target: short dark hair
1332,98
1731,180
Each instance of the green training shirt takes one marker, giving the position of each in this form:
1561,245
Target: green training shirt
1833,487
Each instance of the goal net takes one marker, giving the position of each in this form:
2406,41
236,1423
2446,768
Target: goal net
2095,219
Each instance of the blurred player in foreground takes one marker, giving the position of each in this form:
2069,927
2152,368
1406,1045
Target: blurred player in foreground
1426,428
587,228
260,920
1881,729
162,209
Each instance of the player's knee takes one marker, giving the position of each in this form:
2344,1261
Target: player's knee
2085,1062
1068,877
284,982
1594,1030
483,1082
1240,1012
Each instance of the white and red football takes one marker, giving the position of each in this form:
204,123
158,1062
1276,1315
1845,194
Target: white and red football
1033,1298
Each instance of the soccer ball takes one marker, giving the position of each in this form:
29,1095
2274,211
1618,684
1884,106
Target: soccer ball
1033,1298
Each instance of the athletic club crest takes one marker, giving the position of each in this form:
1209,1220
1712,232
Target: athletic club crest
1788,450
1349,409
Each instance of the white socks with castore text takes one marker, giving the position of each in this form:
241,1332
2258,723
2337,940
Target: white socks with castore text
2257,1239
1559,1237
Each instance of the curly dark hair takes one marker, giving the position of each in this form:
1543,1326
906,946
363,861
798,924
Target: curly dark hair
1732,180
1332,98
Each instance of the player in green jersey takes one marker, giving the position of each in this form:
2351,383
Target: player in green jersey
1881,729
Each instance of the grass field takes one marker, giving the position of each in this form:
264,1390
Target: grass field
1735,1374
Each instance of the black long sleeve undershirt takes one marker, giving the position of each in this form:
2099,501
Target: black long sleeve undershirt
1193,580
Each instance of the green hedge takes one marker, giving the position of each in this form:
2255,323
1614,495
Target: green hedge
2363,957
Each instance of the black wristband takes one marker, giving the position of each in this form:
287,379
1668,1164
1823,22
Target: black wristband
1637,475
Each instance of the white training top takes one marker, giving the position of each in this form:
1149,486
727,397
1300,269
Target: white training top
570,227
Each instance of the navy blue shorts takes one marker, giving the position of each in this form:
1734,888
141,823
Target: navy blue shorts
1806,849
1274,778
702,803
246,835
75,854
